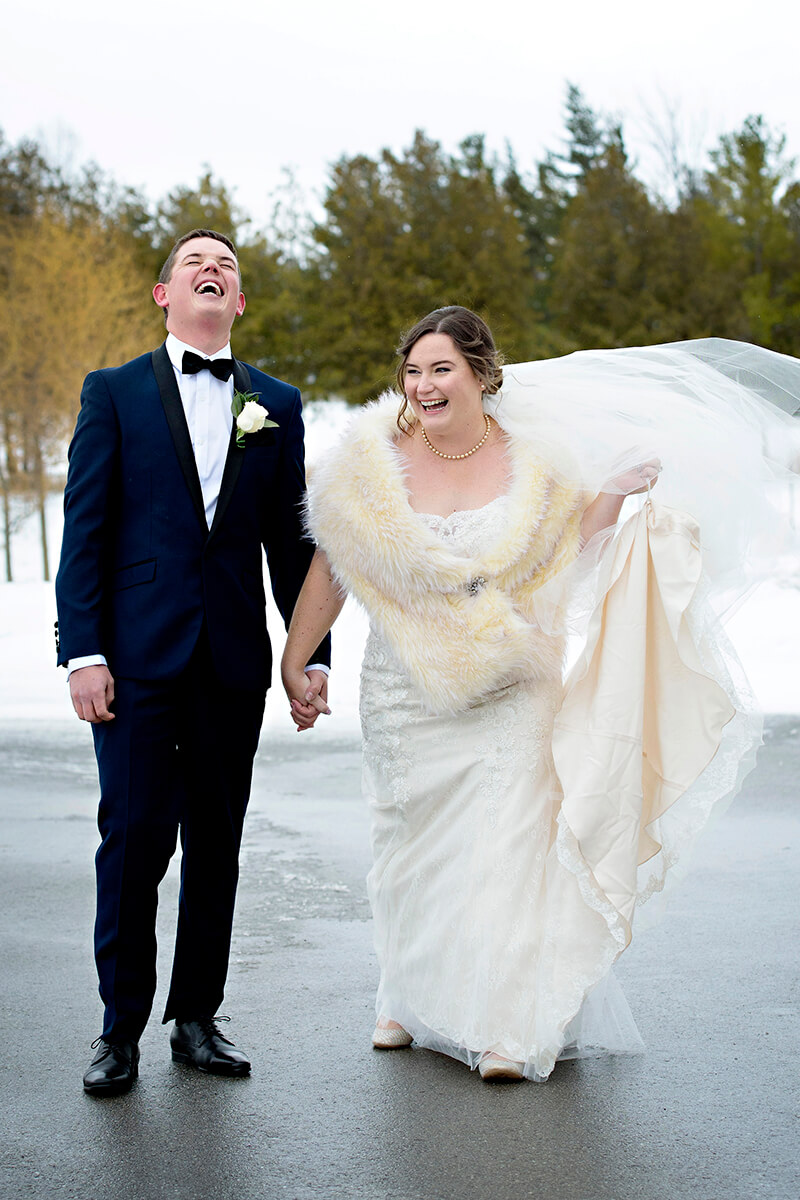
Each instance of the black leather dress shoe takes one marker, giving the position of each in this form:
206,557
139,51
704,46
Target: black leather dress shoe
113,1069
200,1044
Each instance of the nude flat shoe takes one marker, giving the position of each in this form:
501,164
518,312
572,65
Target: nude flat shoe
494,1068
390,1039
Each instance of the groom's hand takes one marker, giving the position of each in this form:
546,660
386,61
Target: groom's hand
92,693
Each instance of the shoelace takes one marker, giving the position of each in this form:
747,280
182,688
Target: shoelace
209,1028
111,1045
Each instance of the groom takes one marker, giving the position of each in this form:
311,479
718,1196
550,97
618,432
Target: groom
161,623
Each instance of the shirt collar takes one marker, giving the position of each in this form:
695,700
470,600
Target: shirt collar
175,349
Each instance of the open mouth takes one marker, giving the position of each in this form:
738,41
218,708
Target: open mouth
209,288
430,406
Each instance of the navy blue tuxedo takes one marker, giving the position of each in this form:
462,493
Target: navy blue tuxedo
178,610
140,571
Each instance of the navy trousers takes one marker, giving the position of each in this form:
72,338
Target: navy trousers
177,759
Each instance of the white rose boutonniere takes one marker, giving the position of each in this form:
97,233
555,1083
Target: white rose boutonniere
250,416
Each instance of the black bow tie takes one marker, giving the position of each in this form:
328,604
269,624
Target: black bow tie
220,368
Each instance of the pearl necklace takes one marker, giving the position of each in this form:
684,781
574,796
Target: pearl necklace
466,454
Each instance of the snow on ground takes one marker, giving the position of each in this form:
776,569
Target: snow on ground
32,689
765,631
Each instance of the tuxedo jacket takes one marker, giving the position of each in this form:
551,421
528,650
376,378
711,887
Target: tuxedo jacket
141,573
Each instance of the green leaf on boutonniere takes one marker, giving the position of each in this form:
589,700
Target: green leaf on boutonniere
249,415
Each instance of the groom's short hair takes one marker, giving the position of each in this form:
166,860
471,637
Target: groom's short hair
166,271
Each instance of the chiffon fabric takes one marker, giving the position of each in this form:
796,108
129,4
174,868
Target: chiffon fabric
721,417
500,903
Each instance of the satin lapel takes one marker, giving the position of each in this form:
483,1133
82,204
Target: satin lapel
235,458
176,419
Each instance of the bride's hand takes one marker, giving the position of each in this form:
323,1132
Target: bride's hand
604,510
639,479
307,693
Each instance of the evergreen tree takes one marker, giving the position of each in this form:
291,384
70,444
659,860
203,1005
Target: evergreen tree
403,235
541,205
751,201
587,139
601,288
208,205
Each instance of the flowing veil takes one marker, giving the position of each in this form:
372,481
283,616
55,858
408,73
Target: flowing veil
721,417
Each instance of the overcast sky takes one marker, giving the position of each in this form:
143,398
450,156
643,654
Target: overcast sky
155,91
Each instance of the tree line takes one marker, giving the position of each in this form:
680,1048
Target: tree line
571,252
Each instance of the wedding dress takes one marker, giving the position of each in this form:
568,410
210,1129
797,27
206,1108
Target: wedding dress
517,823
468,898
513,840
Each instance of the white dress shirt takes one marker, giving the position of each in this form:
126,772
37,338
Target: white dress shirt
207,408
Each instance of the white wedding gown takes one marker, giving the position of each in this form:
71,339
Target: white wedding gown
485,939
514,840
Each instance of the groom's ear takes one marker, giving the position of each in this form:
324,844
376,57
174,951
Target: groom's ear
239,306
160,295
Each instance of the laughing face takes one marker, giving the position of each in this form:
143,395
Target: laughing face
443,390
203,291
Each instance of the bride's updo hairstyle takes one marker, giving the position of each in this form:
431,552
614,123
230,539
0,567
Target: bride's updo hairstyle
471,335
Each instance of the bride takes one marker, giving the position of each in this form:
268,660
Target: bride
516,823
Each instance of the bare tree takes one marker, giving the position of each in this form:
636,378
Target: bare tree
73,299
678,146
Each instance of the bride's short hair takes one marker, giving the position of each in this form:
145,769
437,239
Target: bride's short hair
471,335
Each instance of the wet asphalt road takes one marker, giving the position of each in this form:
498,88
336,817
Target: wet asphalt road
712,1112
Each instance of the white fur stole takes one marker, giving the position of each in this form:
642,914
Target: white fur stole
462,627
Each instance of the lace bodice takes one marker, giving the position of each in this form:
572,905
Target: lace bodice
469,530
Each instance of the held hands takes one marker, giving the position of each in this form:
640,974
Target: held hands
91,690
307,692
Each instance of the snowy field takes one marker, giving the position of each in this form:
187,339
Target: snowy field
765,630
33,689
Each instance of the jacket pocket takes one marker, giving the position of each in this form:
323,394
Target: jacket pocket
264,437
135,573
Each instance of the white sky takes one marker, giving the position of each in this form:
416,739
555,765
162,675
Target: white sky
155,91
